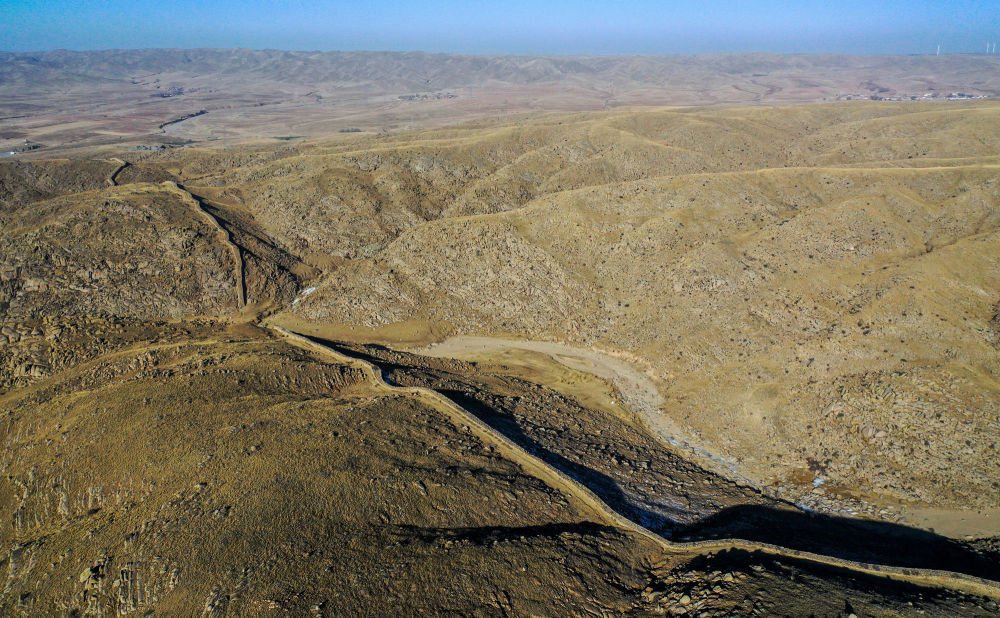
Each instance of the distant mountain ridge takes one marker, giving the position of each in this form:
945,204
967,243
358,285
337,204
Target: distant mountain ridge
435,71
145,98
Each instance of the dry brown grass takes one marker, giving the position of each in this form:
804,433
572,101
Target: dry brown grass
814,290
835,311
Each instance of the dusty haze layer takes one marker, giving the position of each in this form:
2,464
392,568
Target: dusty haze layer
151,98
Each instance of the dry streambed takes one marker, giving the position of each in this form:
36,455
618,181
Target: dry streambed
637,389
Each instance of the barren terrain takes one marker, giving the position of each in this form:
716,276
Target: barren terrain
829,356
728,360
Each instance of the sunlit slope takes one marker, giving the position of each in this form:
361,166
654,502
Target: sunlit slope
252,476
30,181
26,181
135,251
349,198
88,271
830,315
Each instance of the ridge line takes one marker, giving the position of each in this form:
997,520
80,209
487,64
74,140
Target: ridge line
224,234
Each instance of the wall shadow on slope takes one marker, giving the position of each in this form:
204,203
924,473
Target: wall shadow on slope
874,542
606,488
868,592
487,535
862,540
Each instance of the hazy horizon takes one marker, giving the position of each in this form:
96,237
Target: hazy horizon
517,28
484,54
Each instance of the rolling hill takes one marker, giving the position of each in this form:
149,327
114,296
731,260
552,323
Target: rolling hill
645,361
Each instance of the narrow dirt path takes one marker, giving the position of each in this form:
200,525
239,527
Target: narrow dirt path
224,235
533,465
112,179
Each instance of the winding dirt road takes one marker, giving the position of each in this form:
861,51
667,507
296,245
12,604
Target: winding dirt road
112,179
533,465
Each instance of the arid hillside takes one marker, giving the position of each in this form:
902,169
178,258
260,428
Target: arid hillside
813,290
242,474
645,361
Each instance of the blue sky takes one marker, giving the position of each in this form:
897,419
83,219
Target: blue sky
515,26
